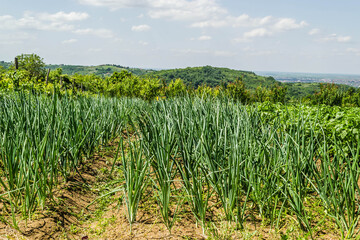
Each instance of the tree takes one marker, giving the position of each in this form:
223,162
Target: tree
278,93
32,65
117,77
149,88
261,94
177,88
237,91
329,94
2,72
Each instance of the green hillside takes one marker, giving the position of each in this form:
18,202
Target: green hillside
299,90
213,76
100,70
194,76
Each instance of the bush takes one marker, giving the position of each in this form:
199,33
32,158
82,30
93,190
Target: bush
177,88
237,91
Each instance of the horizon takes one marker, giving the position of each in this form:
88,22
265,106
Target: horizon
258,72
159,69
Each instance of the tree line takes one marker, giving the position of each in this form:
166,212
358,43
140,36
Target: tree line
28,73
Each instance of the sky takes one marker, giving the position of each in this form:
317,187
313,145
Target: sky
319,36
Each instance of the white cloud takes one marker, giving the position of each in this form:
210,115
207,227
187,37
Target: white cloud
314,31
7,22
204,14
244,20
343,39
140,28
336,38
189,51
13,38
216,53
214,23
204,38
255,33
224,54
262,53
262,27
186,10
255,52
143,43
69,41
101,32
258,32
286,24
42,21
59,21
115,4
171,9
62,16
266,26
355,51
94,50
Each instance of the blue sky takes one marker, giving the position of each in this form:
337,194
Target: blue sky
259,35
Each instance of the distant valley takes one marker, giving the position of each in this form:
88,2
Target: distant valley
290,77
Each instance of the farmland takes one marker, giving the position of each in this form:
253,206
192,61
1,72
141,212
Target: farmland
179,120
224,169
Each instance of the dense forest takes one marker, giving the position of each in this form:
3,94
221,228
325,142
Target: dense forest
300,90
213,76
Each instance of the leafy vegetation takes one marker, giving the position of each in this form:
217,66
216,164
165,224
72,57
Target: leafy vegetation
31,77
245,158
233,149
330,122
44,140
31,65
268,161
207,79
331,95
299,90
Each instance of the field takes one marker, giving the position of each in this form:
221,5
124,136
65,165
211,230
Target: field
75,167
